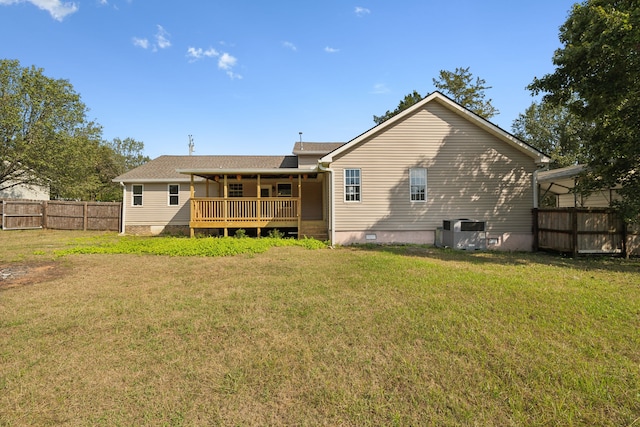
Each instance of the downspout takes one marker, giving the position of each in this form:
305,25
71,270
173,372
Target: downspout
332,208
124,204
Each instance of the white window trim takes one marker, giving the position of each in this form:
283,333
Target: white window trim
141,195
426,180
344,186
176,195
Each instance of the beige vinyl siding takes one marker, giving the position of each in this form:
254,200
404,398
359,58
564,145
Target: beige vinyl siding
598,199
155,209
470,174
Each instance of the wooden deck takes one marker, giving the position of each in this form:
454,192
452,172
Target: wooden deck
245,212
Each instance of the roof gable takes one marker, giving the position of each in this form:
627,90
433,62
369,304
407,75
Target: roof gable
445,101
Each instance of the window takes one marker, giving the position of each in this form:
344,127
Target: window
418,184
235,190
352,185
136,199
284,189
174,194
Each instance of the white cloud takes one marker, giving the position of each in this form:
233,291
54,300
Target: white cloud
361,11
57,9
227,62
161,38
198,53
143,43
331,50
290,45
380,88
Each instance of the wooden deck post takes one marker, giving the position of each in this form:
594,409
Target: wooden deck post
259,205
192,193
299,210
224,205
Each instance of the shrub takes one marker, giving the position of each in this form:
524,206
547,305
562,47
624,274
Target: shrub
275,234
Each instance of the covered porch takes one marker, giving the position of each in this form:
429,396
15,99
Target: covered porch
258,200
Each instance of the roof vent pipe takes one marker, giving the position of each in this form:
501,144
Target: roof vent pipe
191,145
301,146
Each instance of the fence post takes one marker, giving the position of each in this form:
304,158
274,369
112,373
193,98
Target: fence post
574,232
625,236
45,212
85,220
536,224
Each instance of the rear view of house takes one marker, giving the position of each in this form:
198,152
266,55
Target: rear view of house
395,183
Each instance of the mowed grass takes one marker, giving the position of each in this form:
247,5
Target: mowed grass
295,336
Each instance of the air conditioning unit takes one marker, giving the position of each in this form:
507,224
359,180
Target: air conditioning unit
467,234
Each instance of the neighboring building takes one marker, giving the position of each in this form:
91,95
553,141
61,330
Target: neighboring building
559,184
395,183
12,190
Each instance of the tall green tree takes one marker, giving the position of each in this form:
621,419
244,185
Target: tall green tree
597,77
44,134
115,158
408,101
554,130
459,86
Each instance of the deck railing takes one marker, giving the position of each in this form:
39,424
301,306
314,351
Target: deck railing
219,210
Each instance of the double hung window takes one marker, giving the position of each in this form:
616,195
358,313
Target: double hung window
136,194
174,194
352,185
418,184
235,190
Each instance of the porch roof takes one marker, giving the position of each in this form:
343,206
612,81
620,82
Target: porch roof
208,173
561,180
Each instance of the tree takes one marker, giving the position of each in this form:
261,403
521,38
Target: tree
460,87
115,158
552,129
47,140
597,78
408,101
44,132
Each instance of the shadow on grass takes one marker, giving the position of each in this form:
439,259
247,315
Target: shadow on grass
587,263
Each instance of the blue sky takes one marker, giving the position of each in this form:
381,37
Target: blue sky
246,76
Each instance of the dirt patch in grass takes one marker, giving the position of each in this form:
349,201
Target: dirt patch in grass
15,275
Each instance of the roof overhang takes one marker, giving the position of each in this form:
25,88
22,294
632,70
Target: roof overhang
561,180
275,171
152,180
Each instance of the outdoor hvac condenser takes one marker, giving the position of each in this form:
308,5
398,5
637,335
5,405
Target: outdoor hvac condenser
465,234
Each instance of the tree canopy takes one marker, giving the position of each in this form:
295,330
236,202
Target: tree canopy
47,139
458,85
597,78
554,130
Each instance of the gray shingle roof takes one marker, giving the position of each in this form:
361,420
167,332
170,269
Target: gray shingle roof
164,167
322,148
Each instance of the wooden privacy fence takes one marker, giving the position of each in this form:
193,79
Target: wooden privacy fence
59,215
584,231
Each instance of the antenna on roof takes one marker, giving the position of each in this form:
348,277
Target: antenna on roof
191,145
301,146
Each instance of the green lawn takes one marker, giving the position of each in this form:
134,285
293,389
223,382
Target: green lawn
358,336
